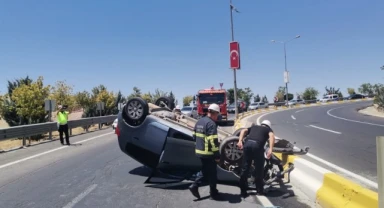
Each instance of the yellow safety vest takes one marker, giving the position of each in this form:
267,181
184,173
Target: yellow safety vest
206,138
62,118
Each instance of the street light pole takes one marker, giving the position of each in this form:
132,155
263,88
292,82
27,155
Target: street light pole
286,71
285,63
234,70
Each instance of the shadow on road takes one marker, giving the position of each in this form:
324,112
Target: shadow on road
141,171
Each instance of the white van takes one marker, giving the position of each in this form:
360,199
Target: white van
331,97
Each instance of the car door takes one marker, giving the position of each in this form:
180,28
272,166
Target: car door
179,153
178,160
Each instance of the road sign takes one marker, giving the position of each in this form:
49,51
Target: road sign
100,106
50,105
234,55
120,106
286,77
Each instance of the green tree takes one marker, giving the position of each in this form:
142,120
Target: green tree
332,90
351,91
136,93
29,100
147,97
171,95
256,98
265,99
367,89
187,100
8,106
88,102
108,98
379,95
247,95
281,96
231,95
62,94
310,93
158,93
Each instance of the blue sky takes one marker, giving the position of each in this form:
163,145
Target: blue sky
183,45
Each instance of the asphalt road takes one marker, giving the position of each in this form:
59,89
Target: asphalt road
335,133
95,173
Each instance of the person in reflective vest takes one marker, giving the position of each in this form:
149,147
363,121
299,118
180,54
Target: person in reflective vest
62,120
207,149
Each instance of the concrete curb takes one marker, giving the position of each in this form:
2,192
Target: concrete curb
322,186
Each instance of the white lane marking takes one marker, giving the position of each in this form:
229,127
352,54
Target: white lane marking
264,201
335,132
293,117
300,110
338,168
49,151
362,122
80,196
342,170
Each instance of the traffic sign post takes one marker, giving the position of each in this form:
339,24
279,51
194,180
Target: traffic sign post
286,77
49,105
100,106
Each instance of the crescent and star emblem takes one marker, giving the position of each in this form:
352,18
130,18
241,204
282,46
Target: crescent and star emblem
236,53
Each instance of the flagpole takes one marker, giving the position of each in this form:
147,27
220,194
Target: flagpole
234,70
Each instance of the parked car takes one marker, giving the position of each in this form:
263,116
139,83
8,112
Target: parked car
257,105
355,96
331,97
114,124
190,111
297,101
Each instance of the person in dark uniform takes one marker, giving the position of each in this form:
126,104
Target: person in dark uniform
257,136
207,149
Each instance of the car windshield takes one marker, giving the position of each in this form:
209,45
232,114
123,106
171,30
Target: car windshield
214,98
186,109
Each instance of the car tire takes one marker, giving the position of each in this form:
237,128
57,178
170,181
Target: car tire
237,132
168,101
135,111
229,150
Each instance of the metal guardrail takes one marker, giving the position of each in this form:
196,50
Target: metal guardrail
48,127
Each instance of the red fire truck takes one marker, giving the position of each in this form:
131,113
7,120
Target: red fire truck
206,97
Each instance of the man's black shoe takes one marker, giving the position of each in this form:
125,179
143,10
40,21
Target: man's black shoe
244,194
215,196
195,191
261,193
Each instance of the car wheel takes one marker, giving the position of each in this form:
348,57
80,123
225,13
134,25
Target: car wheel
135,111
237,132
166,102
229,150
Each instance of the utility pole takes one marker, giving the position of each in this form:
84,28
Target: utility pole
234,70
286,74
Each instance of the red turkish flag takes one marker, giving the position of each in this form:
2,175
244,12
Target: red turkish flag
234,55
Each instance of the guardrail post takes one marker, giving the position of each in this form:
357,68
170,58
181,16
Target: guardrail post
24,142
70,131
380,168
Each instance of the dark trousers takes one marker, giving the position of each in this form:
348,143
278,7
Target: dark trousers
252,152
209,173
64,129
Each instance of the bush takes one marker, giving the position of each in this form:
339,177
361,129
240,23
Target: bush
379,96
